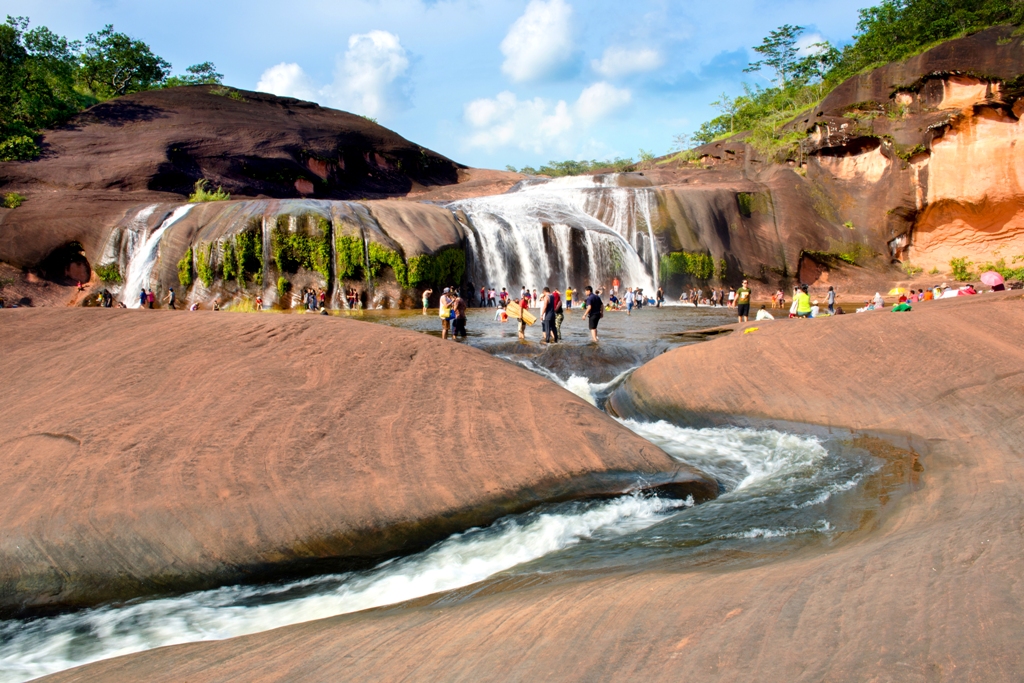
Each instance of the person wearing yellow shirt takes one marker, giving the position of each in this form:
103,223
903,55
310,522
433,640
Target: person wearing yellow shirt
803,303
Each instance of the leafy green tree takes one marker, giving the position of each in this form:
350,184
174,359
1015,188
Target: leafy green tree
115,64
779,53
197,74
36,85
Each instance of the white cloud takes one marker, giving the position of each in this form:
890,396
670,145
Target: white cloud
538,125
600,100
539,42
805,44
370,78
287,80
620,61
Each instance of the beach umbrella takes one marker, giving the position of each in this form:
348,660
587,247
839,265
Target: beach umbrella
992,278
895,291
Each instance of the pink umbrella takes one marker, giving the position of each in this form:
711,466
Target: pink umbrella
992,278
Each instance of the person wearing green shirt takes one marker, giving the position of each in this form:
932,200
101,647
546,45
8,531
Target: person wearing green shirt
803,303
743,302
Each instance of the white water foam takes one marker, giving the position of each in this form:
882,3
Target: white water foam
738,458
143,257
44,646
507,236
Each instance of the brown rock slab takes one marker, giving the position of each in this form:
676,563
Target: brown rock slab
929,592
150,452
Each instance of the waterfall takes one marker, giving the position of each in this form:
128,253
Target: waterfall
142,257
569,231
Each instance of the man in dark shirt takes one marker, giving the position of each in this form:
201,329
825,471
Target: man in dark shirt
594,310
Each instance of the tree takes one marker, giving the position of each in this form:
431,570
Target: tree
728,108
36,85
780,53
198,74
115,64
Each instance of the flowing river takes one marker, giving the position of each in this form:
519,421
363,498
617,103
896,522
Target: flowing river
781,492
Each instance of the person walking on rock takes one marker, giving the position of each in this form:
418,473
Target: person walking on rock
150,298
593,311
142,298
170,299
547,316
830,299
743,302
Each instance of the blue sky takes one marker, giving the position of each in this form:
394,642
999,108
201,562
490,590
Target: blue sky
484,82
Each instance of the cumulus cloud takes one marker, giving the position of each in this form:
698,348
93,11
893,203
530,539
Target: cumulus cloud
539,43
287,80
617,62
600,100
538,125
371,78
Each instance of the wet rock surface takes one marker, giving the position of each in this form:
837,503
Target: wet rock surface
943,567
153,453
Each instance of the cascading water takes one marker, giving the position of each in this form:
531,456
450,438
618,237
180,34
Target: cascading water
568,231
141,257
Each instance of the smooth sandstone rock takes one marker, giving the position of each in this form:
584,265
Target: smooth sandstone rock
930,592
149,452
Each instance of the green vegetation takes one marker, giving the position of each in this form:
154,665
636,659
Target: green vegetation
912,270
12,200
557,169
294,250
283,286
961,268
197,74
753,202
230,93
228,261
853,253
203,194
934,271
204,265
381,256
446,267
185,269
697,265
46,78
1008,272
890,31
109,272
350,256
249,253
722,269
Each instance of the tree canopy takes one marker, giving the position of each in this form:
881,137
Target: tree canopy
46,78
887,32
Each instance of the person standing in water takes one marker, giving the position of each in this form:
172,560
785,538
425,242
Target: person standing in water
444,312
830,299
426,299
559,314
594,310
568,297
524,304
742,302
547,316
459,306
142,298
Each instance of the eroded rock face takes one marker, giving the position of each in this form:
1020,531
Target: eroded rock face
151,453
